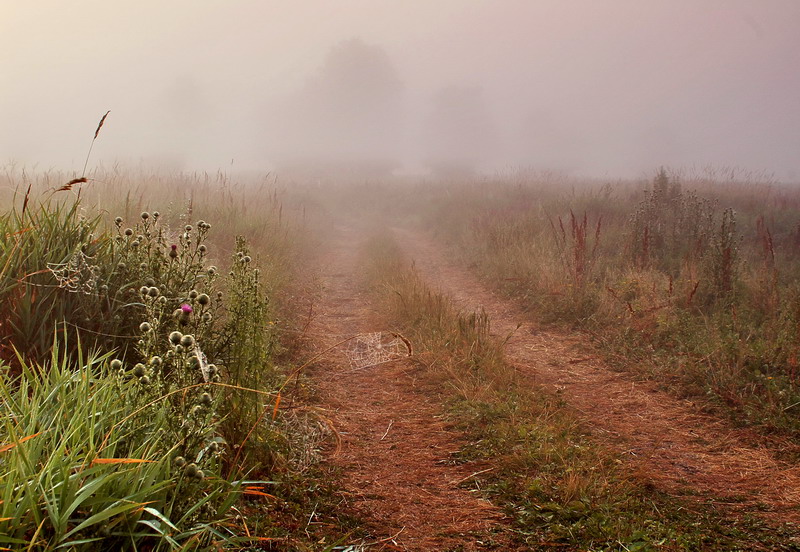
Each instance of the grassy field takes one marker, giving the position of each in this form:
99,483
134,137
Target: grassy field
150,326
688,280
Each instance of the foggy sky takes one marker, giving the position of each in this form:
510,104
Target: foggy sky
604,88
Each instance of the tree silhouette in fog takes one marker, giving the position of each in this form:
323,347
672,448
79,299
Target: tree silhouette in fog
458,132
347,116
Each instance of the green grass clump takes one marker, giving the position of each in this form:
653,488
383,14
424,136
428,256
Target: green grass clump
89,458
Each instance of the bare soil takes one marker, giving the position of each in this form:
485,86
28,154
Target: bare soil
395,452
668,442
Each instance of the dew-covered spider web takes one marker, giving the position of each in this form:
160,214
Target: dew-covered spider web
374,348
76,275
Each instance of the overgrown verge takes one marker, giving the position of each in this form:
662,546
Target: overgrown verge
531,455
139,384
692,283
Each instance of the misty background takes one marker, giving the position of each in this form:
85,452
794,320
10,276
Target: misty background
603,88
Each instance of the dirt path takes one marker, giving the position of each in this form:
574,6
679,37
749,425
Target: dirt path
395,449
667,441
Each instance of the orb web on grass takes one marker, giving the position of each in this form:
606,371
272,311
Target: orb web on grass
375,348
76,275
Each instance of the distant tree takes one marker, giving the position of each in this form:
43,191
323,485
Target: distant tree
349,115
459,133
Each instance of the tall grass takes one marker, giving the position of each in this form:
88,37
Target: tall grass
689,280
140,351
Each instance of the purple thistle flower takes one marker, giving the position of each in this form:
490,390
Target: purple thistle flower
187,309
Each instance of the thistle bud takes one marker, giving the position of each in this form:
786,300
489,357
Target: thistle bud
118,221
180,461
203,299
191,469
175,337
187,341
116,364
139,370
145,327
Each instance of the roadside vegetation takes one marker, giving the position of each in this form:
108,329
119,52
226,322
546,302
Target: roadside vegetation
142,361
530,454
690,281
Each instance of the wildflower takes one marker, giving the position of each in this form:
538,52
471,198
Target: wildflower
186,309
173,251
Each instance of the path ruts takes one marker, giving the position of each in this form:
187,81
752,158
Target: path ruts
666,441
395,453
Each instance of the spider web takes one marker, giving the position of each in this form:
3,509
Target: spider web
204,369
375,348
76,275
